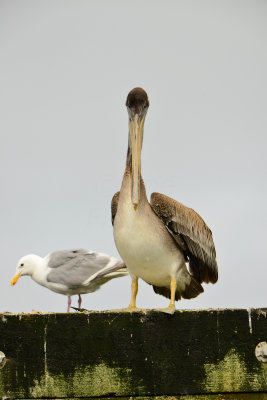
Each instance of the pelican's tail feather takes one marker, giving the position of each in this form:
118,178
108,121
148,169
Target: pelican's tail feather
193,289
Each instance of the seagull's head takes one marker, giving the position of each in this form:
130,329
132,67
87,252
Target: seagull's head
25,266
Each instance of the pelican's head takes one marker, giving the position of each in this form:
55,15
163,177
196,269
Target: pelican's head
25,266
137,105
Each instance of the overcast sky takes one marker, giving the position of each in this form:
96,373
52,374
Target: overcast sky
66,68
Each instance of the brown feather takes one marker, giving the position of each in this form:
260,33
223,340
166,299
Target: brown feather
114,206
166,292
191,234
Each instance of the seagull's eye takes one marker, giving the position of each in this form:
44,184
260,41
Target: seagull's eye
21,265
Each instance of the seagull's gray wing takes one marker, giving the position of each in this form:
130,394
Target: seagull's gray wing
76,268
114,269
59,258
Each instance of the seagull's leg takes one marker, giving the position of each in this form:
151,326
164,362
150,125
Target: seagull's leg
79,301
69,303
171,308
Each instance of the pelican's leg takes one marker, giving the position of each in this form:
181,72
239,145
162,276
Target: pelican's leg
134,293
171,308
69,303
132,305
79,301
173,290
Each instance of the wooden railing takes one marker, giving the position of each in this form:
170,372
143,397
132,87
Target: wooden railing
145,354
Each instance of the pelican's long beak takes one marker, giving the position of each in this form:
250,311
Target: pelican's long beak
15,278
136,136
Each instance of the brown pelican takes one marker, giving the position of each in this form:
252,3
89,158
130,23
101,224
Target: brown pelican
156,239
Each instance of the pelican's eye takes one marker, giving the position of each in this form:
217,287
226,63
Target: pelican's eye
21,265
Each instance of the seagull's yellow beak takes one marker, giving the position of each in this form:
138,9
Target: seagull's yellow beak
15,278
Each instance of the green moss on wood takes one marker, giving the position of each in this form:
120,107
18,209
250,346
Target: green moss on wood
98,381
232,375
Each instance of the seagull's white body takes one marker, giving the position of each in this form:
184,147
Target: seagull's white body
70,272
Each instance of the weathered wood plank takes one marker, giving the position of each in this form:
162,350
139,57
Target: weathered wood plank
218,396
141,354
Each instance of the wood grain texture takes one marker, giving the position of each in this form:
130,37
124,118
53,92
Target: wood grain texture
149,354
218,396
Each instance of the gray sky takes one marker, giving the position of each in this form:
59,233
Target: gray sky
66,68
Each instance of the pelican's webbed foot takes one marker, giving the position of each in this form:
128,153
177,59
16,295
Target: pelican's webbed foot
167,310
131,309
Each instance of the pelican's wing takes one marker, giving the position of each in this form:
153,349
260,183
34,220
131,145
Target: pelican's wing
191,234
114,206
77,268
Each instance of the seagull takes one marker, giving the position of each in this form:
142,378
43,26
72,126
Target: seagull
71,272
157,239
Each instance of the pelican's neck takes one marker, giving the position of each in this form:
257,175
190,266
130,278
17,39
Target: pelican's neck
126,186
129,157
